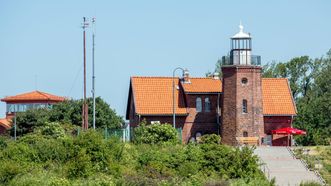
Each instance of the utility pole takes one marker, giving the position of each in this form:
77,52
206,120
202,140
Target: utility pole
15,125
93,75
85,107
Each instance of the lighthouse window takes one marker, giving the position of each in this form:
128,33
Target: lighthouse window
198,104
244,81
244,106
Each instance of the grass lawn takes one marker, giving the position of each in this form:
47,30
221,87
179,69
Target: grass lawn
317,158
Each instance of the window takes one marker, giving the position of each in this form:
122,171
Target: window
207,105
198,103
244,106
244,81
245,134
10,108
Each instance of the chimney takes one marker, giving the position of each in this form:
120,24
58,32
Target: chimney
186,76
216,75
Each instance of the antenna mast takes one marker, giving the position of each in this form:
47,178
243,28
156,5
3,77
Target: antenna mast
85,107
93,75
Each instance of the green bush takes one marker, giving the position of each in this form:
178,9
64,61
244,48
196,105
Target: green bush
44,158
80,166
51,129
8,170
156,134
211,139
311,183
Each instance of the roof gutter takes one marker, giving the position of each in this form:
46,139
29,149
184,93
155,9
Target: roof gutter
203,92
292,115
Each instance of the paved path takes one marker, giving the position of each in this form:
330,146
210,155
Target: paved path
283,167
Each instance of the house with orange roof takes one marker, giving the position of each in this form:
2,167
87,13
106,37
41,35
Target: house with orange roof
241,106
25,101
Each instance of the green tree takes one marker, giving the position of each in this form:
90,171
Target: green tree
68,112
310,81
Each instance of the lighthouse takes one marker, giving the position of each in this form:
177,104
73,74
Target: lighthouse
242,115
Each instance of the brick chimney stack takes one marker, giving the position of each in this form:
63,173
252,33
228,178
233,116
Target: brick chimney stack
186,76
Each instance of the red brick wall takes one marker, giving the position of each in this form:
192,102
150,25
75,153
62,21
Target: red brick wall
276,122
234,121
280,140
203,122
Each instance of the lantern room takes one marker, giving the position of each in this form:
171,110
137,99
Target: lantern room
241,49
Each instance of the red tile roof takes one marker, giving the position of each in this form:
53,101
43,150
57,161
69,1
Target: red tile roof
33,96
6,123
203,85
277,97
153,96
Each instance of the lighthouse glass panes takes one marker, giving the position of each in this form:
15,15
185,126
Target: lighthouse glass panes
241,51
241,47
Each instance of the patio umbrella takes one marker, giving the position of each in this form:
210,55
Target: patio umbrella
289,130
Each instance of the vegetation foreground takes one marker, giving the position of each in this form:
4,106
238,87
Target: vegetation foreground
51,155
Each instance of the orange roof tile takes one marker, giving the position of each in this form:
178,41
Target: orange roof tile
153,96
277,97
6,123
34,96
203,85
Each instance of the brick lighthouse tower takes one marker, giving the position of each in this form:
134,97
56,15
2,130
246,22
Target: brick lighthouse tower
242,117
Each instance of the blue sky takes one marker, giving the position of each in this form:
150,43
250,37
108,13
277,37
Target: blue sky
41,41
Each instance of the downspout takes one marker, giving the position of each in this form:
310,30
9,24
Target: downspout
218,114
291,137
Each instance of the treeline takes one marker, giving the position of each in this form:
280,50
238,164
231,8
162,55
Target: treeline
310,81
68,113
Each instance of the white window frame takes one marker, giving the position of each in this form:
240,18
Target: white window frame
198,104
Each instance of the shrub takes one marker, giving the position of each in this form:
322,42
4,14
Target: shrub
81,166
3,142
156,134
8,170
211,139
51,129
311,183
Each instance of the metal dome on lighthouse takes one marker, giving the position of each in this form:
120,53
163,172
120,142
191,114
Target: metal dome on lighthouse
241,49
241,34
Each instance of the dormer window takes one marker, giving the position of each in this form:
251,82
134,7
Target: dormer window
207,105
198,104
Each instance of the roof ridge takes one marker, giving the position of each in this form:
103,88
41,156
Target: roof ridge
44,94
165,77
275,78
169,77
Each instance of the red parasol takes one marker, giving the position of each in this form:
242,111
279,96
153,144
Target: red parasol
289,130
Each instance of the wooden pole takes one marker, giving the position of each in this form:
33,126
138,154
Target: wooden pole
85,107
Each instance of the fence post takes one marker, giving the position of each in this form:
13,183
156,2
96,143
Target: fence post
179,130
106,133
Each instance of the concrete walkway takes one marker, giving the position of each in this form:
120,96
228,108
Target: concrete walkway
282,166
